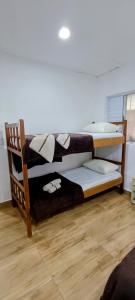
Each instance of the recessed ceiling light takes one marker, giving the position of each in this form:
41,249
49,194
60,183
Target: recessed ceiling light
64,33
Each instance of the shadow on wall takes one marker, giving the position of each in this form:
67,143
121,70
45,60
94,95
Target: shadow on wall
131,125
1,138
5,194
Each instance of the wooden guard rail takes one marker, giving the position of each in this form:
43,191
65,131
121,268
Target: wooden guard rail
15,136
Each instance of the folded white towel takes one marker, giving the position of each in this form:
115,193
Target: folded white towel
64,140
58,186
52,186
49,188
44,144
56,182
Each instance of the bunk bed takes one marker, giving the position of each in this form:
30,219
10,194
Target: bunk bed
25,192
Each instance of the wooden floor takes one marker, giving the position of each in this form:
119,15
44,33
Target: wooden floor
70,255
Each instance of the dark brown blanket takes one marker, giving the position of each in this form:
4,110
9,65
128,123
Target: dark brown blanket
121,284
80,143
44,205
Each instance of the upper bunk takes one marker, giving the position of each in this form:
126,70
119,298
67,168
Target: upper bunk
18,143
106,139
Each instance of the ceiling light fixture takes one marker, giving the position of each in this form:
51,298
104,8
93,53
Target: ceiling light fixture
64,33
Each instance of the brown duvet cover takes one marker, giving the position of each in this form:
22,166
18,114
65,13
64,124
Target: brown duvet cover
79,143
121,284
44,205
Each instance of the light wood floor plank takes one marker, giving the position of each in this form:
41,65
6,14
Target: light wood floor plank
70,255
48,291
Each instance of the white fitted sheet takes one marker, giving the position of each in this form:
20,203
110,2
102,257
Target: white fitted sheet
87,178
103,135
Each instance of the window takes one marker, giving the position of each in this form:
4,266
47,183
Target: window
122,107
115,109
130,116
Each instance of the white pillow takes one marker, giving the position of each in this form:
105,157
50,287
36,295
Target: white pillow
101,166
101,127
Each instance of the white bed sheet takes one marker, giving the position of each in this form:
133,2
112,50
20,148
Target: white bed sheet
87,178
103,135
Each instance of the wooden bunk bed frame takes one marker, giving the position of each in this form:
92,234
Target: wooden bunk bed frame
15,137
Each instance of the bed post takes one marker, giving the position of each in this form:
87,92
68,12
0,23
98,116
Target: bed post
14,204
123,157
93,153
25,181
15,137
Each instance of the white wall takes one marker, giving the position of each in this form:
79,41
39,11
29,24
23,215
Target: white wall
117,82
48,99
53,99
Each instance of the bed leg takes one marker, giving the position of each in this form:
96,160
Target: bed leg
93,154
29,227
121,189
14,204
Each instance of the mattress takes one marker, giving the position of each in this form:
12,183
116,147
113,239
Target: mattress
87,178
103,135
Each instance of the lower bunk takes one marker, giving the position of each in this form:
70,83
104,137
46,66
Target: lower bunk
75,186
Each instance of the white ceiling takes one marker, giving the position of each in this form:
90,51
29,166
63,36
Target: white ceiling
103,32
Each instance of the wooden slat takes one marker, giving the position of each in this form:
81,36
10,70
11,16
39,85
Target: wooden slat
20,207
120,123
100,143
18,138
17,152
13,136
17,182
7,125
100,188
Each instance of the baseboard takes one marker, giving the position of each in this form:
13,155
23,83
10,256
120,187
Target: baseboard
5,204
127,192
